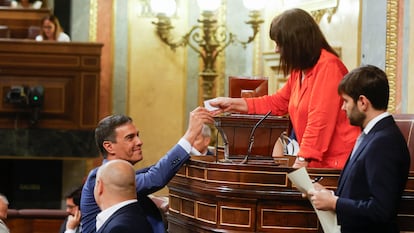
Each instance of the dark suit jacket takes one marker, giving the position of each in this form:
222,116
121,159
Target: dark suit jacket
148,180
372,182
128,219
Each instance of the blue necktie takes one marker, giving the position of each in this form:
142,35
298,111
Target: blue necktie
358,142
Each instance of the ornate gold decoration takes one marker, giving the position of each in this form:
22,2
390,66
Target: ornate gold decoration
318,14
391,51
93,20
209,38
221,62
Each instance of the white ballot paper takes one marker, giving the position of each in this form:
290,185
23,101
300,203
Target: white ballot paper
301,180
208,106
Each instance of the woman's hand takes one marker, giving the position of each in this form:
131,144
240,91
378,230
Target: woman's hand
298,163
227,104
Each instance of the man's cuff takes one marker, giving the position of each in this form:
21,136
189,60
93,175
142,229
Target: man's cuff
185,145
70,231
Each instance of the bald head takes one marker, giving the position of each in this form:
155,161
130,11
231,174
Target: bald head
115,182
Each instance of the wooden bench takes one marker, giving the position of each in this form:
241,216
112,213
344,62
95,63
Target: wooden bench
35,220
20,20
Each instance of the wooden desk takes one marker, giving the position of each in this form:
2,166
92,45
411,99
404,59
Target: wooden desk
206,196
19,20
209,196
69,74
236,130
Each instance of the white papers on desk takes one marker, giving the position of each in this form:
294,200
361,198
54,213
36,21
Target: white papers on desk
303,183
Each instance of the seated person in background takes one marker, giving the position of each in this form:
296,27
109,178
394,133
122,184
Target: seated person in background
200,146
72,222
4,206
116,196
51,30
29,4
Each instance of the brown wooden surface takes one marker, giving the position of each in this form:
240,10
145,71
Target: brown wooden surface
19,20
235,130
221,197
208,195
69,73
22,225
35,220
257,85
406,124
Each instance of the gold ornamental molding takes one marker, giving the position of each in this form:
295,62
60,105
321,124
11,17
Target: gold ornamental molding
391,51
318,14
93,20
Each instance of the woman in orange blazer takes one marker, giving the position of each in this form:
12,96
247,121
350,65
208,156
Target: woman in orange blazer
310,96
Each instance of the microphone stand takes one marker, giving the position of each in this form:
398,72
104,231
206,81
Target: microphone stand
251,137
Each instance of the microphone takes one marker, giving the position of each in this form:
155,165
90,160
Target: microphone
251,137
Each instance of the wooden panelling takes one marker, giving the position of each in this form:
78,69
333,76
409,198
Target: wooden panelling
19,20
236,129
243,204
35,220
69,74
257,197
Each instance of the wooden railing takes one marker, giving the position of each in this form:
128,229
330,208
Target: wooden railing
35,220
69,72
19,21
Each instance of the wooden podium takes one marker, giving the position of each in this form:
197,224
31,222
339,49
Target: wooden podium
260,132
208,195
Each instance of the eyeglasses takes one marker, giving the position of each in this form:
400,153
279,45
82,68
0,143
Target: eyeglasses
70,206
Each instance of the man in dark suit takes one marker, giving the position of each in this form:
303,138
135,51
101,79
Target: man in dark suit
116,196
72,221
117,138
372,182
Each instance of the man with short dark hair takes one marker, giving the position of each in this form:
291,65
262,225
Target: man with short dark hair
72,221
117,138
373,180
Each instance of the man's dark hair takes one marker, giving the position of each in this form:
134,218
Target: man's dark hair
75,194
299,38
105,131
369,81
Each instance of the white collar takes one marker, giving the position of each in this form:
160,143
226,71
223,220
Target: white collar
374,121
105,214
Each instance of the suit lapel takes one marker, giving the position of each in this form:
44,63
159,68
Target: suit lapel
351,161
359,152
116,213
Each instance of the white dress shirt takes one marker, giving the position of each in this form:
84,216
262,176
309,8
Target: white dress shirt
3,227
105,214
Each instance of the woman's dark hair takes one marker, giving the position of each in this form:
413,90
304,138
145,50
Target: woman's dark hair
369,81
105,131
299,39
